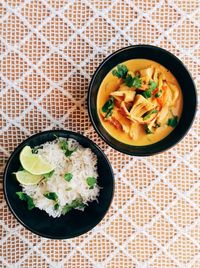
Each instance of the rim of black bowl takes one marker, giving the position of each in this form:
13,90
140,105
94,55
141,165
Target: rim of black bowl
152,146
13,212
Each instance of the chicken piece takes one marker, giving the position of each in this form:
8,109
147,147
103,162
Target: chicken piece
162,116
119,121
140,107
161,79
128,95
114,121
118,95
134,130
166,98
147,72
123,109
174,91
155,75
124,87
145,82
125,128
151,125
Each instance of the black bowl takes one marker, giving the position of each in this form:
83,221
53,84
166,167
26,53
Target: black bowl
73,223
178,70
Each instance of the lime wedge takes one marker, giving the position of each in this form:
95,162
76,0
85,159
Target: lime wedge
33,163
26,178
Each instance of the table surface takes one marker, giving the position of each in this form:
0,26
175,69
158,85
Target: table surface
48,51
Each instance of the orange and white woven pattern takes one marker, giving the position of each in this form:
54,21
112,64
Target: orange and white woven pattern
48,51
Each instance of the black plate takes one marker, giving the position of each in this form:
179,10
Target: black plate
75,222
178,70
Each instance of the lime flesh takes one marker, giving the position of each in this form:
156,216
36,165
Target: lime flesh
33,163
26,178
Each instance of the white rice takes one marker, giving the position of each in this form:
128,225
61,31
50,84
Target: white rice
82,164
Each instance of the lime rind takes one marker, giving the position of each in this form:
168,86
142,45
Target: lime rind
33,163
26,178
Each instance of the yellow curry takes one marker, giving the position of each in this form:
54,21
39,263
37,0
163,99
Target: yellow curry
139,102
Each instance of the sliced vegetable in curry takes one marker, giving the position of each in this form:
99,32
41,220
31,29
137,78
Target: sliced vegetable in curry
139,101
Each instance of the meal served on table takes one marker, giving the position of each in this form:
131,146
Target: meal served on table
58,176
139,102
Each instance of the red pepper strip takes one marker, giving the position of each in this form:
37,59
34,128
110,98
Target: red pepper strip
155,91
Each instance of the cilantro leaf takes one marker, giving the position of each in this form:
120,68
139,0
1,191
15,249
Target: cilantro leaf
109,104
135,81
64,146
66,209
24,197
148,115
56,206
30,203
120,71
21,195
69,152
173,122
153,85
108,107
129,80
51,196
77,203
147,130
68,176
91,181
148,93
158,94
109,113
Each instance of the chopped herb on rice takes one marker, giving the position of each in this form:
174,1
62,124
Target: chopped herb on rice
58,194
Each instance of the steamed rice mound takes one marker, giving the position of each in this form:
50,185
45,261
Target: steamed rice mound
81,164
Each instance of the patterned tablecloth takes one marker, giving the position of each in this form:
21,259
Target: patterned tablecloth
48,51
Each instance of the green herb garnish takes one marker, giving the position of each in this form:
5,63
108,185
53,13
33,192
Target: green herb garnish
56,206
51,195
147,116
135,81
108,107
77,203
48,175
24,197
109,104
173,122
120,71
64,146
147,130
148,93
158,94
68,176
91,181
153,85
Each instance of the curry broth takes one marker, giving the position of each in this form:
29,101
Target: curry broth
111,83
